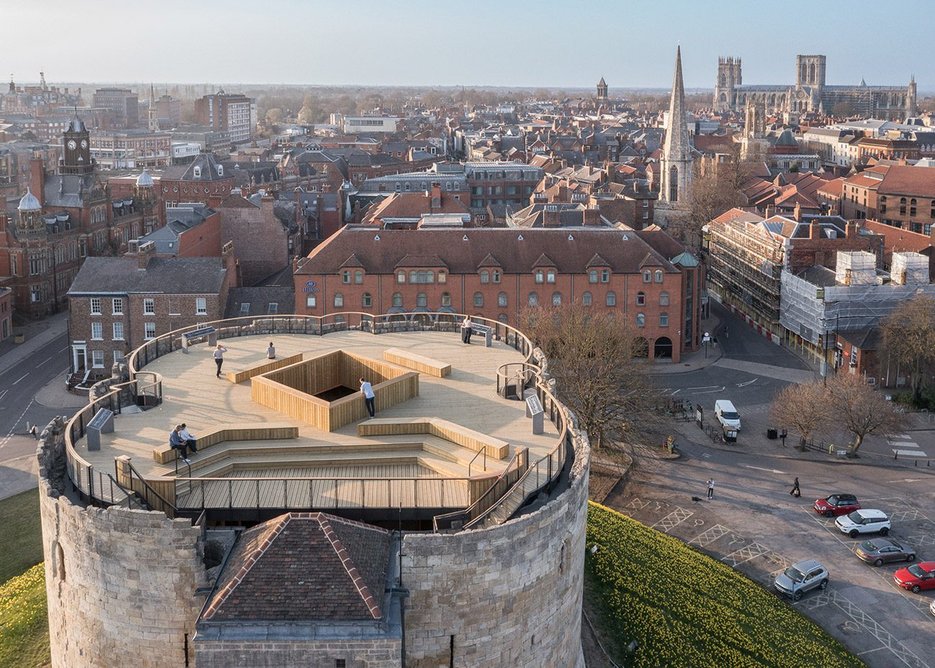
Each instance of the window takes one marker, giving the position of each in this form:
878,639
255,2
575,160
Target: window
478,300
97,359
640,298
358,277
611,299
346,276
446,299
366,301
533,299
592,276
605,275
118,356
663,299
659,276
556,299
118,331
550,276
149,330
496,275
421,276
586,299
647,276
245,308
640,320
422,300
97,331
95,305
338,300
501,300
400,276
272,307
311,301
149,307
397,299
484,276
663,319
540,277
201,306
442,277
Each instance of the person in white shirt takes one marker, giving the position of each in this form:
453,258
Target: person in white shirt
466,329
219,357
188,438
271,351
366,389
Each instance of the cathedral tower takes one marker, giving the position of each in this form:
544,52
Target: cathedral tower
601,89
676,161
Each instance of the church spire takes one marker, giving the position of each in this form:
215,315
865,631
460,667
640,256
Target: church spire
676,159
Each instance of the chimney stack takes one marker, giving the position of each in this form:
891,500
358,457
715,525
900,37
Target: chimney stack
814,230
37,178
797,212
436,203
145,253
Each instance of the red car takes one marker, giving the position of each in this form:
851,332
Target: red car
837,504
916,577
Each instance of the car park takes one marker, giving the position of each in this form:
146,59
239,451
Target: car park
801,577
837,504
878,551
865,520
932,608
917,577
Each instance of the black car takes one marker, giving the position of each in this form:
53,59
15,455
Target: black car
878,551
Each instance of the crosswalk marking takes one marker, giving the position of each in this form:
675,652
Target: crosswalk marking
901,446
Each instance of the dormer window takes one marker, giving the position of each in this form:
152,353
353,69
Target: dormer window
496,275
592,276
346,276
647,276
196,172
442,277
605,275
220,170
358,277
540,276
659,276
484,276
400,276
550,276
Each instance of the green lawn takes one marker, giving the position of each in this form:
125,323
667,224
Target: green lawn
21,546
24,625
686,609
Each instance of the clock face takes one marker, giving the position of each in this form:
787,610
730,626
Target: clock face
72,144
84,143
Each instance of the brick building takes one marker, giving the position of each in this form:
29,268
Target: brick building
117,303
202,180
123,103
232,114
131,149
496,273
261,242
897,195
6,313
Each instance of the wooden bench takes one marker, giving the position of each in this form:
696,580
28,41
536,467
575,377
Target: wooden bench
265,367
165,454
419,363
467,438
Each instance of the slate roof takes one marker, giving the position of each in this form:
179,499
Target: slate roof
464,251
664,244
303,566
68,190
173,275
259,298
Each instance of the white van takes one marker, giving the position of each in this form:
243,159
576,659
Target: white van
726,414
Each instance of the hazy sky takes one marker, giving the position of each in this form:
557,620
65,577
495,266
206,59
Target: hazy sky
479,42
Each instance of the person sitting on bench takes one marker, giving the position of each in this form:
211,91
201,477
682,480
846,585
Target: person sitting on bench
176,442
188,437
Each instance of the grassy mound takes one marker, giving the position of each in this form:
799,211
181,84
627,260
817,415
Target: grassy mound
21,546
684,608
24,624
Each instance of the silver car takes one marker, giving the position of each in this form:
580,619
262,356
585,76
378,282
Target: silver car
800,578
878,551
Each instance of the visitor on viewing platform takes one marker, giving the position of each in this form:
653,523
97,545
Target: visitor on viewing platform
176,442
188,437
466,329
271,351
367,390
219,357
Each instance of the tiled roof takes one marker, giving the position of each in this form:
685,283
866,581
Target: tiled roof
462,251
303,566
172,275
910,181
412,205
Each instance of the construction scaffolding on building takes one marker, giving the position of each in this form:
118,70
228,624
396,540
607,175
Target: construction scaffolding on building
819,303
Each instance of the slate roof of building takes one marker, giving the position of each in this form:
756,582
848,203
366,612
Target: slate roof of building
664,244
208,170
174,275
303,566
258,299
464,251
67,190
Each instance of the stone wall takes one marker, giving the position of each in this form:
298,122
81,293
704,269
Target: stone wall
120,583
375,653
505,596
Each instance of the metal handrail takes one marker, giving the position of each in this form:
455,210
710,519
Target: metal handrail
150,490
482,451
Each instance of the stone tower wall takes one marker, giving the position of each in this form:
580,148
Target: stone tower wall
505,596
120,583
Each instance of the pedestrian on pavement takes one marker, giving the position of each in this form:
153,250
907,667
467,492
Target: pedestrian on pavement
366,389
34,430
795,491
466,329
219,357
710,489
271,351
176,442
188,437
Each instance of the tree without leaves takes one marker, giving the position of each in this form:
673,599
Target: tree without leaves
715,192
860,409
803,407
592,359
909,338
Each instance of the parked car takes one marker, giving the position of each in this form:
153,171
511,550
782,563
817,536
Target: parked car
932,608
837,504
865,520
727,414
916,577
878,551
800,578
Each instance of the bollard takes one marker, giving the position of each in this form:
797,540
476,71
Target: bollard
895,455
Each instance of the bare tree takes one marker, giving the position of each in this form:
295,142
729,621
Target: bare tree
909,338
861,410
592,357
803,407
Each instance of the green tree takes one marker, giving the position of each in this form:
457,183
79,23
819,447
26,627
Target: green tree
909,339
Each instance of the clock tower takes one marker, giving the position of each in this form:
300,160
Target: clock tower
77,143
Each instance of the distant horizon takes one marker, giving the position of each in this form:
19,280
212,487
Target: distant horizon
425,44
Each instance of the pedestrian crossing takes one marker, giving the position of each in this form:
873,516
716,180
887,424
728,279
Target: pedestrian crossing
904,446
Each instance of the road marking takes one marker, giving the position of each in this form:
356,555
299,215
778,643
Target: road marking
9,435
669,522
706,389
44,361
749,382
63,349
676,392
3,394
762,469
902,453
897,480
19,379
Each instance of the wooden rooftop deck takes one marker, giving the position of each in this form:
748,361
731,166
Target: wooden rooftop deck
321,469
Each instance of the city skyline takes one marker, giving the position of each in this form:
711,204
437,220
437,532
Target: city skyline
632,45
